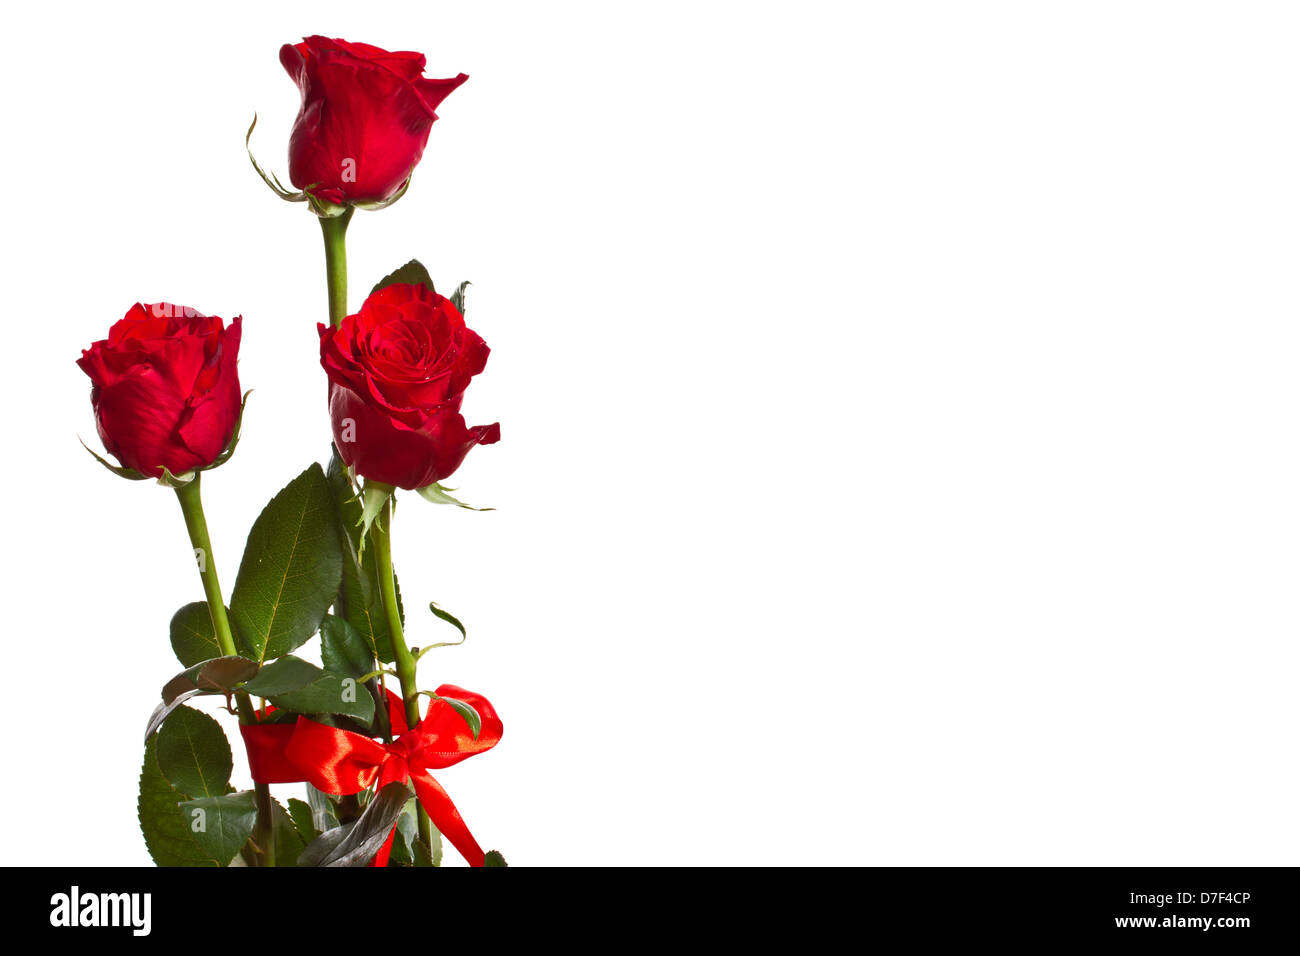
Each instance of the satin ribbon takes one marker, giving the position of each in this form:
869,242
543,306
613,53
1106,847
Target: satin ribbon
342,762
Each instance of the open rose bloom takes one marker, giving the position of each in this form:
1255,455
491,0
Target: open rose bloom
166,388
398,370
364,120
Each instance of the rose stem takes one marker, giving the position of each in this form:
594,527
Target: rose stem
336,264
197,525
404,659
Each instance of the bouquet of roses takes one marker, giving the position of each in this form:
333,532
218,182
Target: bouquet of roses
359,731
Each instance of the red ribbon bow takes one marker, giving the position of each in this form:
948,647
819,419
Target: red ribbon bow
339,761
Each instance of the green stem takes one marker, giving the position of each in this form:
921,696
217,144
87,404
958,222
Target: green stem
405,661
197,526
336,264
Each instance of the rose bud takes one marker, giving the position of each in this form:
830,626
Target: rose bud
398,370
166,389
364,120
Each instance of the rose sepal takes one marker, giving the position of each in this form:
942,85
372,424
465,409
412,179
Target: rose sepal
438,495
130,474
229,450
167,479
323,208
385,203
374,496
272,181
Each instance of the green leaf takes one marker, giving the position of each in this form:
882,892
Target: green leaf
444,616
217,676
356,844
301,813
324,814
193,638
294,684
413,273
450,619
166,834
291,569
494,858
289,842
163,710
281,676
360,600
221,825
342,650
404,838
438,495
468,712
458,297
193,754
426,855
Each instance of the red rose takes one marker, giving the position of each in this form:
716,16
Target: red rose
365,117
398,370
166,389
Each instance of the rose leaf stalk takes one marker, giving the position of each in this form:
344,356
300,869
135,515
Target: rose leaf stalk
405,660
197,526
334,229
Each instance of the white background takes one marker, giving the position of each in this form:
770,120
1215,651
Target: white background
899,410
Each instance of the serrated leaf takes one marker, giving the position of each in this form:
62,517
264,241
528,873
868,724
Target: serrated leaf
494,858
281,676
343,650
330,694
324,814
221,825
192,635
193,754
165,832
413,273
426,855
163,710
289,841
302,816
206,677
291,569
356,844
217,676
296,685
404,837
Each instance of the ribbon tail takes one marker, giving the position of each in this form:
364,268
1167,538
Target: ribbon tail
381,858
447,818
391,772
